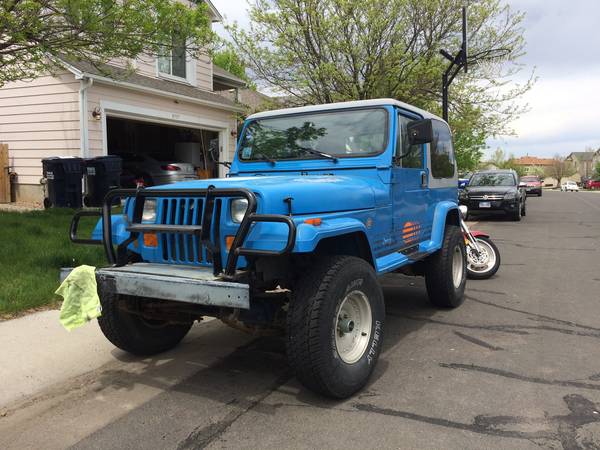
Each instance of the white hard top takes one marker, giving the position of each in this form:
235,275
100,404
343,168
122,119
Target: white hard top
341,105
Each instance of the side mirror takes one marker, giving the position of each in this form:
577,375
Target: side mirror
420,132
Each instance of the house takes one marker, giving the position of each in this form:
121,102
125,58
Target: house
584,162
153,105
533,165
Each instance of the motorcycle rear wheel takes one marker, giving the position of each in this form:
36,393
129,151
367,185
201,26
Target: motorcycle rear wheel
484,266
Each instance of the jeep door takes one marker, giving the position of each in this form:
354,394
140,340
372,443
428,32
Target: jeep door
410,189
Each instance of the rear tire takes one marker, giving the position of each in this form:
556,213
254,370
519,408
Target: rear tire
134,334
335,326
445,280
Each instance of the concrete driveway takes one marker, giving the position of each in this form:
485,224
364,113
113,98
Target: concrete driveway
516,366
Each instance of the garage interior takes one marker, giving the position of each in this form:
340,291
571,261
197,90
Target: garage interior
173,144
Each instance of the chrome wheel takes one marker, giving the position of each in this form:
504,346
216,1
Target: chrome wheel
457,266
353,330
482,261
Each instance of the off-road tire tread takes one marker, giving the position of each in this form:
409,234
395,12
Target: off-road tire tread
437,267
304,349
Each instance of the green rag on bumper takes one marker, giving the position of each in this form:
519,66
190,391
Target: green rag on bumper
80,293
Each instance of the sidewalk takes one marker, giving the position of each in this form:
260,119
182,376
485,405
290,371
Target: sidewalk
37,352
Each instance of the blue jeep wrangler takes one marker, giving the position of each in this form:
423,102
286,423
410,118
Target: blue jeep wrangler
319,202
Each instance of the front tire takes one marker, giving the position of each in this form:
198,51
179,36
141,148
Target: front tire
445,271
516,216
335,326
135,334
481,267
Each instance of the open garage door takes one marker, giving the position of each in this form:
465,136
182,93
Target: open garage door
161,154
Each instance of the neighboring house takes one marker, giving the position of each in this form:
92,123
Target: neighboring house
533,165
252,100
537,166
159,106
584,162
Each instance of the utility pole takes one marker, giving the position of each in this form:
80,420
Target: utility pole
457,62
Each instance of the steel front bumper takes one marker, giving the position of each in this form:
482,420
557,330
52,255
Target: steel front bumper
170,282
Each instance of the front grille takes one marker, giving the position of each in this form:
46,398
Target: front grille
486,197
183,248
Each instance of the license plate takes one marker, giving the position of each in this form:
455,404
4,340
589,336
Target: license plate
485,205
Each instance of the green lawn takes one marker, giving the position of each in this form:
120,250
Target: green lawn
33,247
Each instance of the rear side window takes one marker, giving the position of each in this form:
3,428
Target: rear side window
442,153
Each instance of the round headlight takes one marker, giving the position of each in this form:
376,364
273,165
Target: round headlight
238,209
149,213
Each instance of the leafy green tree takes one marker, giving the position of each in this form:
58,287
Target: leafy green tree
597,171
501,161
336,50
35,33
229,60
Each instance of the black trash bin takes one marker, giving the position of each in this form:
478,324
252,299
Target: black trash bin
101,175
63,180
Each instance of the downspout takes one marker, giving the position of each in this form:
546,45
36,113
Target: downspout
84,84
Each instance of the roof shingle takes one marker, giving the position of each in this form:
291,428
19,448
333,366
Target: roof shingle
119,74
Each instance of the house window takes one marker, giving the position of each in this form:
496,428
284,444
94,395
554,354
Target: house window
174,63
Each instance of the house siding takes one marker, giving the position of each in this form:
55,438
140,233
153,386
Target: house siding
39,119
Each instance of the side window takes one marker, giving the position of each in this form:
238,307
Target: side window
442,154
412,155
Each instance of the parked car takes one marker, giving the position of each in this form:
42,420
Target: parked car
569,186
140,167
592,184
495,191
533,185
365,205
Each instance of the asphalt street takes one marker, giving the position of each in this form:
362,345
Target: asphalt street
516,366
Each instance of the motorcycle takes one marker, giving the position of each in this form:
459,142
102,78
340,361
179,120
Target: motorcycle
483,257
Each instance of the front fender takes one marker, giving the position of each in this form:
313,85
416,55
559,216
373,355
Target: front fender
119,223
479,234
271,236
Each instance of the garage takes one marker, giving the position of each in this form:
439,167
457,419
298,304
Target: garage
156,153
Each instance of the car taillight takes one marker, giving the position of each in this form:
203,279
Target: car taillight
170,167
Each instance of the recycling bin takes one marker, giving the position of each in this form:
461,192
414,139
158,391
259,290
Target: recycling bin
63,182
102,174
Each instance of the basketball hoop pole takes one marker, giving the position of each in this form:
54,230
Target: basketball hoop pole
457,63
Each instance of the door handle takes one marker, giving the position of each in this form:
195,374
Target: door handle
423,179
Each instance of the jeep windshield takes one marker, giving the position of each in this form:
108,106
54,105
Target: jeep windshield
331,135
492,179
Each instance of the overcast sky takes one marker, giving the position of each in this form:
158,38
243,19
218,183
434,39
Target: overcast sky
563,44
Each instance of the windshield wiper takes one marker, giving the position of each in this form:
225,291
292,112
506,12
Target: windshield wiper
263,157
318,153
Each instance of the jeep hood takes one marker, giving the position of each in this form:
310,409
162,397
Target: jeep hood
311,194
